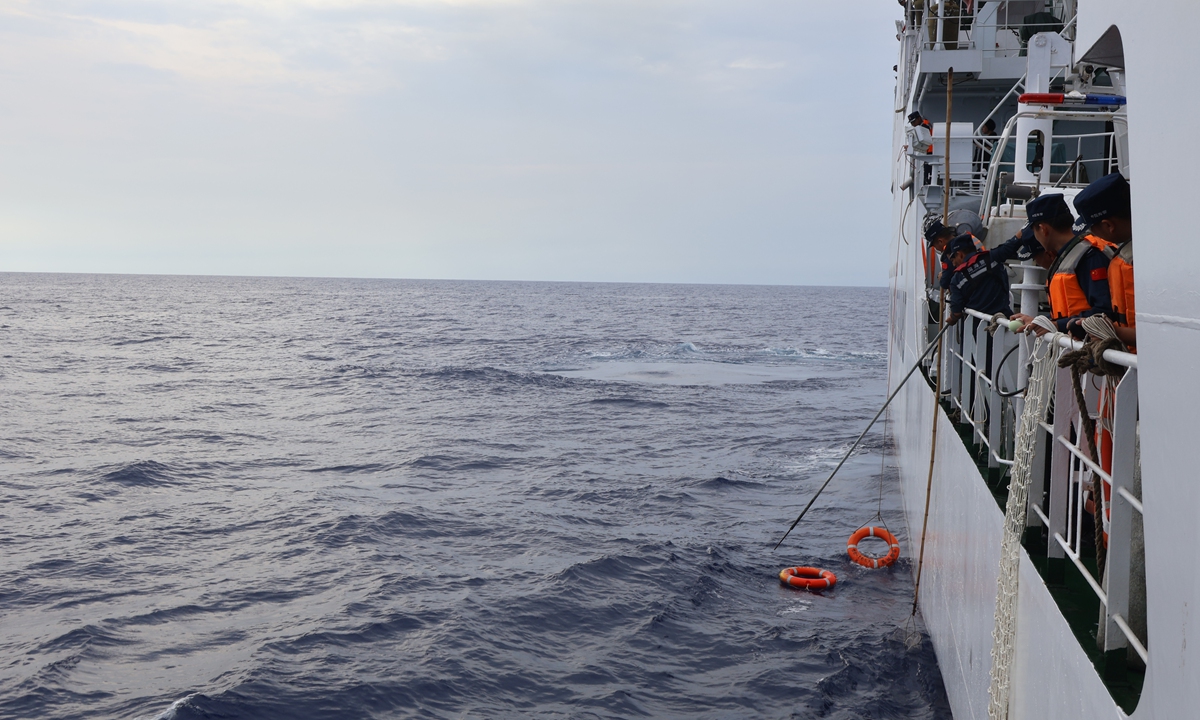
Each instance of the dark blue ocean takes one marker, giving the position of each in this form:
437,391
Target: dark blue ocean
307,498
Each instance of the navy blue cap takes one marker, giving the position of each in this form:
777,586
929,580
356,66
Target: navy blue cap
962,243
914,116
1046,207
1107,197
936,229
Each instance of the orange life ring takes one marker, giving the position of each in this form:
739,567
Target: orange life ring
807,578
866,561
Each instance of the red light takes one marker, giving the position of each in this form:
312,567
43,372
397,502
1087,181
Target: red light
1041,98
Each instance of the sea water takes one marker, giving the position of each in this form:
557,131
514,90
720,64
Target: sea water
312,498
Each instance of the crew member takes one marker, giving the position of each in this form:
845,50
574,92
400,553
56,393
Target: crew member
980,282
1104,211
921,133
920,142
939,236
1078,279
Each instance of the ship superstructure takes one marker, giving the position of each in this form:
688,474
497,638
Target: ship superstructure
1074,91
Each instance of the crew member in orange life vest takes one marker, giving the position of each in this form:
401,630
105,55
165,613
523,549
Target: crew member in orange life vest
921,135
920,142
1078,279
1104,211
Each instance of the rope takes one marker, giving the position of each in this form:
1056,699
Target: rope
934,343
1037,403
1100,329
937,401
1090,359
994,325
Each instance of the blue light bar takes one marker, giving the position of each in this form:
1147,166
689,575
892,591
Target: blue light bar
1091,99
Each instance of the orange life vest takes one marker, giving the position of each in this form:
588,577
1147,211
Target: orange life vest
1067,298
929,125
1120,284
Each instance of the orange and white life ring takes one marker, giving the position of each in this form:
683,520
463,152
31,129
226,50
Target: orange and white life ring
808,578
866,560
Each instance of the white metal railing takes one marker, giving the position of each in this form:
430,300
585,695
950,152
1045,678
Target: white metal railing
965,25
988,153
997,166
983,388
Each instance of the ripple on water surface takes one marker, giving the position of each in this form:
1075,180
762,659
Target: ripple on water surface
278,498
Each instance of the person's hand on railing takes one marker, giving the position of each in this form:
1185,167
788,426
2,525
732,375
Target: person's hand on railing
954,318
1027,325
1039,325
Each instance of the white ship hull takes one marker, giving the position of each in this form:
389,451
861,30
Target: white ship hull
1052,675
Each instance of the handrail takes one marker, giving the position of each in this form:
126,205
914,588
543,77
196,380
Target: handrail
993,175
1116,357
1063,468
1129,498
1138,647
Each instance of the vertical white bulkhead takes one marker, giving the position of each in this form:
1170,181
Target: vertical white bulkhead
1048,53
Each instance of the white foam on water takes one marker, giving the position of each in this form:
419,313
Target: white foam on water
171,712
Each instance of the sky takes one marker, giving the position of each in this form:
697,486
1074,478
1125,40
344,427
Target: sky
745,141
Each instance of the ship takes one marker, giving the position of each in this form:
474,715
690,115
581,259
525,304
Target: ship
1074,90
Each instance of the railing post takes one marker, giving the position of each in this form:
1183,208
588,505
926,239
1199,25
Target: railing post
1125,408
954,372
964,374
1038,487
941,24
981,397
996,403
1065,410
1031,287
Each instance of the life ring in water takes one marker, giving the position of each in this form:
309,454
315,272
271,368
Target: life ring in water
866,560
807,577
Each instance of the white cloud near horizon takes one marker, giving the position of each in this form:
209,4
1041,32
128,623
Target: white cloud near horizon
494,139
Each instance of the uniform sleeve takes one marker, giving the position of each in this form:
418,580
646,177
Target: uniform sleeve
947,274
1007,251
957,300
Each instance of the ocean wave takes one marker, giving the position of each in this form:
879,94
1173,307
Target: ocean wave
370,499
629,402
174,709
723,483
151,339
143,473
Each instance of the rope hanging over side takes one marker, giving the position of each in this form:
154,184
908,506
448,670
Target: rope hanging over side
1090,359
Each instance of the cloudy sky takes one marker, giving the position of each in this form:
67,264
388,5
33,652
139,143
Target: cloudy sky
742,141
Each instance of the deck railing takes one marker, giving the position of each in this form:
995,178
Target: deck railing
982,388
995,30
